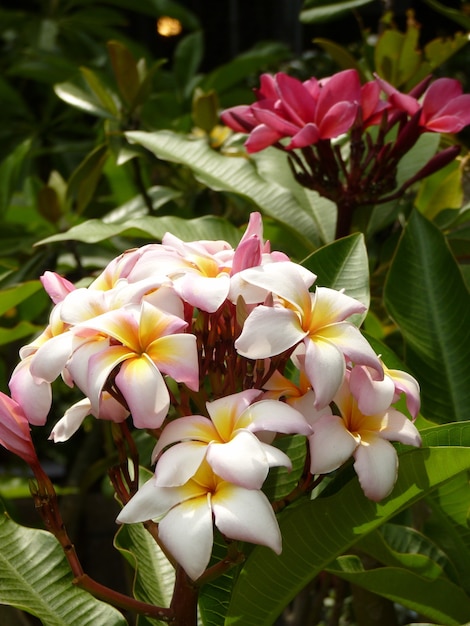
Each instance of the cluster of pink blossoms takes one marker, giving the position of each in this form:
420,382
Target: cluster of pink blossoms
309,111
192,340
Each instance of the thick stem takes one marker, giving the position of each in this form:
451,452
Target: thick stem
344,220
184,602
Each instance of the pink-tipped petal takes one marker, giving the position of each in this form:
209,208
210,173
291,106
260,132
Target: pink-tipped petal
275,416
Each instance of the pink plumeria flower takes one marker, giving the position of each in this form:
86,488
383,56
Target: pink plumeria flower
15,433
365,437
307,112
145,342
315,324
374,395
228,441
444,108
187,514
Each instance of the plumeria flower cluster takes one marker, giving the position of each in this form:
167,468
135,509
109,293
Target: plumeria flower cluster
192,342
310,120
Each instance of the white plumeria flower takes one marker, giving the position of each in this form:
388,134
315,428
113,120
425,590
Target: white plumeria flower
365,437
228,440
145,342
313,323
187,514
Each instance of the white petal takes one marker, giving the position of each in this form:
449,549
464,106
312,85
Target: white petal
285,279
273,415
325,367
203,292
376,466
71,421
241,461
187,532
268,331
276,457
194,427
51,357
150,502
399,428
330,445
179,463
246,515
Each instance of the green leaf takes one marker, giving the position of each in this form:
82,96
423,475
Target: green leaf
154,576
81,99
125,71
12,170
234,174
281,481
340,54
316,532
85,178
186,60
442,190
207,227
396,55
35,577
401,546
426,296
21,330
438,599
343,264
224,77
11,297
459,17
322,11
100,90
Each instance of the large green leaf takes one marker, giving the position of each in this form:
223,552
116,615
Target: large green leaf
318,531
95,230
234,174
12,296
343,264
438,599
320,11
427,297
35,577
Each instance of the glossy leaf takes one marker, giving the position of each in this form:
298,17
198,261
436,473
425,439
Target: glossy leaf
426,296
234,174
125,71
95,230
319,11
280,481
12,296
343,264
36,578
81,99
442,190
438,599
319,530
154,575
400,546
85,178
